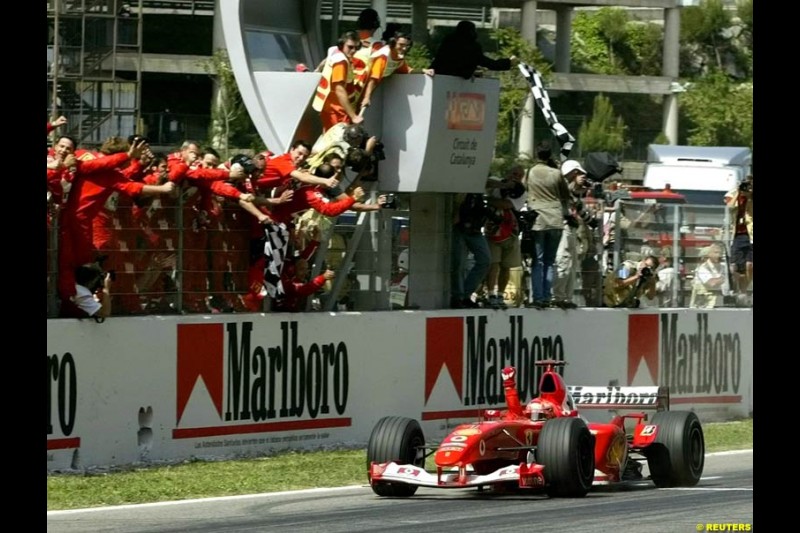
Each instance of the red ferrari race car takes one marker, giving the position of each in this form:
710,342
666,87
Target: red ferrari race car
545,444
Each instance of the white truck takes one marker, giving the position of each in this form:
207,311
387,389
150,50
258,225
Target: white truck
703,174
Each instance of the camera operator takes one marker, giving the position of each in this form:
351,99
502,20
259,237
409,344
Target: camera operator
575,226
631,283
740,205
92,296
505,197
469,216
548,195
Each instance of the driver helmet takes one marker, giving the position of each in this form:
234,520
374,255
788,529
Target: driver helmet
540,410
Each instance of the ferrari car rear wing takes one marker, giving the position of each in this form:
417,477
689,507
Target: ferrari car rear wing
612,397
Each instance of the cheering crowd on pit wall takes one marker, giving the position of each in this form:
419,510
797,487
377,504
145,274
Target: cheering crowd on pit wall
118,217
243,232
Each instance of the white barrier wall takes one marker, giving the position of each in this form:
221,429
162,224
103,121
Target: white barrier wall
172,388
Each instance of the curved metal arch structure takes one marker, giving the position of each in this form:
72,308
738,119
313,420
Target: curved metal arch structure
438,133
266,39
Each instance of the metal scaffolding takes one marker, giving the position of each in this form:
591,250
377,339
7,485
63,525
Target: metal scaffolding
83,84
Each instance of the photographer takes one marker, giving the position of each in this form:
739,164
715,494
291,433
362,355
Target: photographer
548,195
505,197
740,205
709,279
469,216
92,294
338,164
567,257
633,281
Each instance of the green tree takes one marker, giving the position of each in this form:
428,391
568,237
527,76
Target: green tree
604,131
612,24
608,42
661,138
744,39
719,111
703,30
744,10
231,126
588,48
643,54
514,89
419,57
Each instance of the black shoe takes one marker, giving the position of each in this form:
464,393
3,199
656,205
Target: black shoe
541,304
563,304
467,303
495,301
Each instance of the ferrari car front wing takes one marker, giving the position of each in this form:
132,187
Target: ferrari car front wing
527,475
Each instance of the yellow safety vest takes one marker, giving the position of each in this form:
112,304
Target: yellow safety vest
391,63
324,87
362,64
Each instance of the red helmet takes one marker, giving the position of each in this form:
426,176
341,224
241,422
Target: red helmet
540,410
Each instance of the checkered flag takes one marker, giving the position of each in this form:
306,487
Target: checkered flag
276,245
565,138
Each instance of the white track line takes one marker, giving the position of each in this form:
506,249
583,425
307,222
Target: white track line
305,491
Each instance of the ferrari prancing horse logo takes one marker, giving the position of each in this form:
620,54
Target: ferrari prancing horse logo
528,437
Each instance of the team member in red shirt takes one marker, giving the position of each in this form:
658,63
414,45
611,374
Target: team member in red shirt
279,170
297,288
277,233
92,182
60,121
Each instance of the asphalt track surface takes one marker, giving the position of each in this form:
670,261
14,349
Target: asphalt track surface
723,496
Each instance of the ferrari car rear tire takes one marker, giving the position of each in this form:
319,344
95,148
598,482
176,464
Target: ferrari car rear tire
566,449
677,456
398,439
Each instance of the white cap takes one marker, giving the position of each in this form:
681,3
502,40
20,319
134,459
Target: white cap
570,165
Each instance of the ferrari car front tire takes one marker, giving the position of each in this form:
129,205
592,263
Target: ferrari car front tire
566,449
677,456
398,439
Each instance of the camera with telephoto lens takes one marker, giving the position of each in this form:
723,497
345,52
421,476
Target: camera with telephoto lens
391,201
746,186
527,219
586,215
646,273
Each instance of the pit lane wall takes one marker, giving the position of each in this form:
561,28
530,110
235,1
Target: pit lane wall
151,389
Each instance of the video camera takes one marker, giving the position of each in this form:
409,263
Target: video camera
515,191
246,161
599,166
746,185
92,275
391,202
589,218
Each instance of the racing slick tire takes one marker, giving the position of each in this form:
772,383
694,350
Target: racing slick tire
677,455
566,449
398,439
